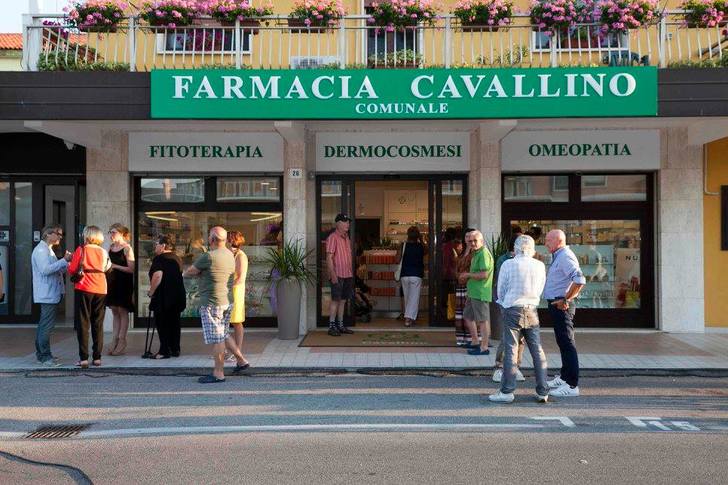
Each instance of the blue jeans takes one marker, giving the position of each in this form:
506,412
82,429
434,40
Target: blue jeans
43,332
564,332
521,322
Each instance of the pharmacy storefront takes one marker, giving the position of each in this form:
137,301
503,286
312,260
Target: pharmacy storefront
435,150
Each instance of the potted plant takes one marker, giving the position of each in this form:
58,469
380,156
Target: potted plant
402,59
315,15
96,15
169,13
402,14
289,271
622,15
704,13
227,12
483,14
553,16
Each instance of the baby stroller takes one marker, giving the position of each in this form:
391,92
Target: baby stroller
362,303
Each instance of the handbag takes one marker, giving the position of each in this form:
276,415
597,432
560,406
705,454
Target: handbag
78,274
398,272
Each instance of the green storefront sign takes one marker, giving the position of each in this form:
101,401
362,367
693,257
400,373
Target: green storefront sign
405,93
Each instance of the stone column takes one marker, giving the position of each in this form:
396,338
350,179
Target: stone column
295,197
484,199
108,191
680,284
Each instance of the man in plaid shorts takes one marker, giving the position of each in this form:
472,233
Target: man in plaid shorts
214,270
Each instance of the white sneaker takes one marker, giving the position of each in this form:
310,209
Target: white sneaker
498,375
556,382
542,399
519,376
500,397
49,363
565,391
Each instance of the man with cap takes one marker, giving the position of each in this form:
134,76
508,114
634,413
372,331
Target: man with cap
341,275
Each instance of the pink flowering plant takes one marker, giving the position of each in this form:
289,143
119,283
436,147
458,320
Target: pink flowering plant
622,15
169,13
553,15
318,13
704,13
494,13
98,15
399,14
232,10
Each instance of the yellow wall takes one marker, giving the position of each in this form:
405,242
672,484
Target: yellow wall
716,261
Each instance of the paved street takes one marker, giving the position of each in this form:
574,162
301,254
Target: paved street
360,428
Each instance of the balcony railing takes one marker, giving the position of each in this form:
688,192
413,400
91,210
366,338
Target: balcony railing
51,44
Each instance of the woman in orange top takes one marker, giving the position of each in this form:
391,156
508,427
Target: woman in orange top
92,291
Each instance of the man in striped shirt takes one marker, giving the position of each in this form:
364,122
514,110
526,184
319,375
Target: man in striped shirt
520,283
341,274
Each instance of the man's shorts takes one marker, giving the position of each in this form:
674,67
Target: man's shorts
215,323
343,289
476,310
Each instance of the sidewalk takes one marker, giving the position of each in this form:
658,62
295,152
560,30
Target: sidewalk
598,350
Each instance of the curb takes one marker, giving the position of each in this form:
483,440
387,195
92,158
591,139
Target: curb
342,371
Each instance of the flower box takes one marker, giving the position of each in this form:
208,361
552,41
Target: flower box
477,27
394,15
96,15
483,15
303,28
169,13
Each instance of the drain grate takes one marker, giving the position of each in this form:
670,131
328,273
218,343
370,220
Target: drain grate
50,432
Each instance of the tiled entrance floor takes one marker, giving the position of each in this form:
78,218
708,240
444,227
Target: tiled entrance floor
598,350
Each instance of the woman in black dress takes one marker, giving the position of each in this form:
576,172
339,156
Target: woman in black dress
167,291
120,284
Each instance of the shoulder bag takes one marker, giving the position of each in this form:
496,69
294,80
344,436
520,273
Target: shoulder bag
78,274
398,272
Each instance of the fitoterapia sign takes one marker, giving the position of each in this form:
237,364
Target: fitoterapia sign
405,93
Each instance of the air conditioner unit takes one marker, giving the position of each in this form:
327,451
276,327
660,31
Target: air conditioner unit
314,62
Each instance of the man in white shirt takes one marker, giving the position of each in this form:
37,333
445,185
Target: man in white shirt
520,284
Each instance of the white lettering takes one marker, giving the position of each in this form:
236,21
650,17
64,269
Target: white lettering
450,89
415,87
597,86
518,79
544,93
181,86
316,87
232,84
366,87
570,85
614,84
497,87
468,81
206,88
262,89
297,88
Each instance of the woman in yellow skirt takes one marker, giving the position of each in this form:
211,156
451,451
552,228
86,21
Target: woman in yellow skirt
237,316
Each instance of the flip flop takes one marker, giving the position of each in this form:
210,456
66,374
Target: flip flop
209,379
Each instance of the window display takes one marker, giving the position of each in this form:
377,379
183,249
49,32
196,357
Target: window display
189,230
609,254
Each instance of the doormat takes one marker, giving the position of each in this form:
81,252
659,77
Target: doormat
373,338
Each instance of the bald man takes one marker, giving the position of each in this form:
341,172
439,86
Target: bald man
564,281
214,270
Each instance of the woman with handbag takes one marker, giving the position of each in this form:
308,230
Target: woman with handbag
168,297
411,271
88,268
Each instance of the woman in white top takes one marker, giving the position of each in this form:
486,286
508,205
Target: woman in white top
237,315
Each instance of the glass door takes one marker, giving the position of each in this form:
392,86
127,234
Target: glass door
334,196
448,199
60,208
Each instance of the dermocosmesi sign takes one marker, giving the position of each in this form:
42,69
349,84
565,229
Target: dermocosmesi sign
386,152
205,152
405,93
581,150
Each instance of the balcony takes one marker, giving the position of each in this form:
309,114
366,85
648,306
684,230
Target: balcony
51,44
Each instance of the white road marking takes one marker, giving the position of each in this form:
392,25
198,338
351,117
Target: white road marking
304,427
12,434
562,419
684,425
